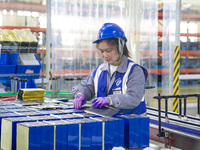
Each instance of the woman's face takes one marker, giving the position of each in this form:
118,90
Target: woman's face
109,53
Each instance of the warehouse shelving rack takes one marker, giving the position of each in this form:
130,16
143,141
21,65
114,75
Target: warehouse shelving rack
182,71
33,29
189,55
21,75
24,6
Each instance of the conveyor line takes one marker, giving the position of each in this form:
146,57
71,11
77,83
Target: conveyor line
175,129
194,121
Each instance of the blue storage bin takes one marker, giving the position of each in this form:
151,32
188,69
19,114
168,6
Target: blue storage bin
194,66
27,69
194,48
182,66
7,64
5,82
159,66
183,48
182,83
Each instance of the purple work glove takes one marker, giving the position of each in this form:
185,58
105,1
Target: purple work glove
79,101
100,102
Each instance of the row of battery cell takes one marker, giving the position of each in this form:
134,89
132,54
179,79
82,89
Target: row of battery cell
27,128
96,133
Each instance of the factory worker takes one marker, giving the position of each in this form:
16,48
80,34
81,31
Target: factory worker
119,82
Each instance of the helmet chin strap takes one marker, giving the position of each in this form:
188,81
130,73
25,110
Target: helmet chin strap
120,40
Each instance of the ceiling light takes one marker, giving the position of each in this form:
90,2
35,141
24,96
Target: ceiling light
35,14
4,11
20,13
27,13
11,12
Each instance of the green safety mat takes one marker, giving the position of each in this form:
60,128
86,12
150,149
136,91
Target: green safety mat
46,93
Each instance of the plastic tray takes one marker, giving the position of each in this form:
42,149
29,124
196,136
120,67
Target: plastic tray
27,69
7,64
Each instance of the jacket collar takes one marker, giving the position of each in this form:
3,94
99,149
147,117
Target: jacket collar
121,68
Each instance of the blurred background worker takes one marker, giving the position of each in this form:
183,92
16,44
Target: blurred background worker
119,82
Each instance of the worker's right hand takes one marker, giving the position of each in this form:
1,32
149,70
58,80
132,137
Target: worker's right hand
79,101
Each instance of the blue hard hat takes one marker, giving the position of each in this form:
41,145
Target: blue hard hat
109,30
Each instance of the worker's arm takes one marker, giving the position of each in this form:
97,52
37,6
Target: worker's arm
86,88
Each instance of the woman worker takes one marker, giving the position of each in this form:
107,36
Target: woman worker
119,82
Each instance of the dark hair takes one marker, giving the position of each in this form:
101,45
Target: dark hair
114,42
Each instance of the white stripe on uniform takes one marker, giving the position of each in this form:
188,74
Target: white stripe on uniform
96,78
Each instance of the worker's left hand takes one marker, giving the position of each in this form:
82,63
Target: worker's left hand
100,102
79,101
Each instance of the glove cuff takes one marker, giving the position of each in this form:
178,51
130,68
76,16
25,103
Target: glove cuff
109,100
78,93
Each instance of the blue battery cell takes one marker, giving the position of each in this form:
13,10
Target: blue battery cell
85,115
86,135
32,132
8,115
144,131
136,130
68,116
47,137
35,136
53,112
70,111
4,104
41,112
91,134
45,118
33,113
108,134
9,131
12,107
5,111
96,143
73,136
60,134
112,127
131,132
20,110
118,128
